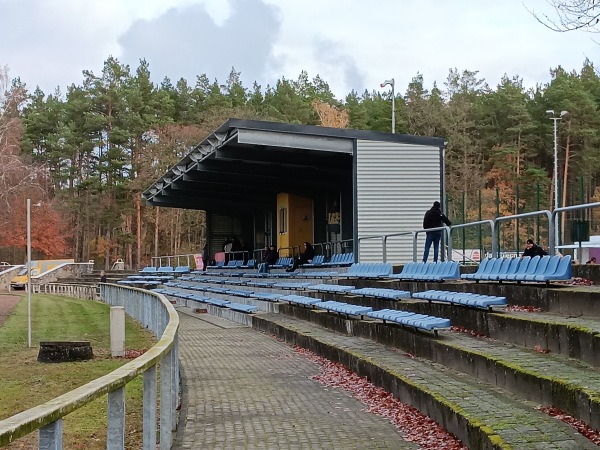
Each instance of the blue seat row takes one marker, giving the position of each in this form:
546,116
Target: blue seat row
368,270
242,307
335,288
282,262
534,269
462,298
393,294
432,271
340,260
266,296
300,299
299,285
140,282
318,260
148,269
150,277
344,308
410,319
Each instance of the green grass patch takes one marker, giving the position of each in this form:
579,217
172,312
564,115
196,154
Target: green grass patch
26,383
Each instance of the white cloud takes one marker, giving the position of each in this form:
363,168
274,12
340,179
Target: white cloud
351,44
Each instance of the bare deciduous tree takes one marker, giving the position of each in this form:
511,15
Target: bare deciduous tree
571,15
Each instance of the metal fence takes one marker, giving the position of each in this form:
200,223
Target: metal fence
157,314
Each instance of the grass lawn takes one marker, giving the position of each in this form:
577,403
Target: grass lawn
25,383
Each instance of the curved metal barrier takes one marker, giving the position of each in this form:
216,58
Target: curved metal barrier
157,314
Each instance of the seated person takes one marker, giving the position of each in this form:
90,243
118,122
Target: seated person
592,260
307,256
271,257
532,249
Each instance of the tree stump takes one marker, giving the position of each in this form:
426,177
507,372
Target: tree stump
64,351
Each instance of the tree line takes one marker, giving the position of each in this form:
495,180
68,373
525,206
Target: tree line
84,156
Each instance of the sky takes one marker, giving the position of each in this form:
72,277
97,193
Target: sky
351,44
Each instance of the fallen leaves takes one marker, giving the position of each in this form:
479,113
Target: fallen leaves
583,428
523,308
416,426
457,329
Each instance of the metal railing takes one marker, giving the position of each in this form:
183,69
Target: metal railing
543,212
552,237
366,238
492,225
156,313
448,246
157,261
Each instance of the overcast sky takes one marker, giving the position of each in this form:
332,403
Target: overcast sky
351,44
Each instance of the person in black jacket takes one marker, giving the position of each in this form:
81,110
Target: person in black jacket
307,256
434,219
532,249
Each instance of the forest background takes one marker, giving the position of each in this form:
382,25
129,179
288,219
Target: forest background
83,157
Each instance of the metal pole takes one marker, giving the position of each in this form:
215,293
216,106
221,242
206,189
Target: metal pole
555,119
393,108
29,272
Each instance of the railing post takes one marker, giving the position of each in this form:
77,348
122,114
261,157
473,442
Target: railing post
166,415
414,237
149,408
115,437
51,436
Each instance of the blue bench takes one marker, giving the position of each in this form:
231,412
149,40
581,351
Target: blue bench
242,307
301,285
432,271
148,269
182,269
463,298
536,269
165,269
240,292
139,282
282,262
261,283
251,264
392,294
335,288
270,297
410,319
318,260
367,270
300,300
344,308
340,260
216,301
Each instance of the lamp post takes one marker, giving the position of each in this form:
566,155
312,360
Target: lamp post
555,120
392,84
29,272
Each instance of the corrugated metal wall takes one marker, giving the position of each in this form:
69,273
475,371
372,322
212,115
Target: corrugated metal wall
396,184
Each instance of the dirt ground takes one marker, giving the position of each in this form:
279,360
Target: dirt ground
7,303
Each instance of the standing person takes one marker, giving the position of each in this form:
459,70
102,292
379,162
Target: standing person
434,218
204,257
307,256
532,249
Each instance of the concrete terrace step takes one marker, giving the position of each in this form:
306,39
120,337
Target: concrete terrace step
480,414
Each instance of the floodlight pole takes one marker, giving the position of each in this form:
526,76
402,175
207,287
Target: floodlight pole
392,84
555,121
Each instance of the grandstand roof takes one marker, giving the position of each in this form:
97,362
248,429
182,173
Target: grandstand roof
244,163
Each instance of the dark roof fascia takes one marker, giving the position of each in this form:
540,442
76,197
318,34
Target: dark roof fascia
331,132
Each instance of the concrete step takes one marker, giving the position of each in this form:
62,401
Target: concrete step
479,413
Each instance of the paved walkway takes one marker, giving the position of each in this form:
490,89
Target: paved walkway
246,390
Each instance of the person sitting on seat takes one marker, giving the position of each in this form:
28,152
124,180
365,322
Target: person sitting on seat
271,257
592,260
532,249
304,258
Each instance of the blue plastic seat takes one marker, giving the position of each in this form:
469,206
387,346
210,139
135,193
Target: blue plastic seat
300,299
527,262
414,320
540,269
480,270
563,271
336,288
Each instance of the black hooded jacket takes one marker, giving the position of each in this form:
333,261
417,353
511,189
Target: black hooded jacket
434,217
